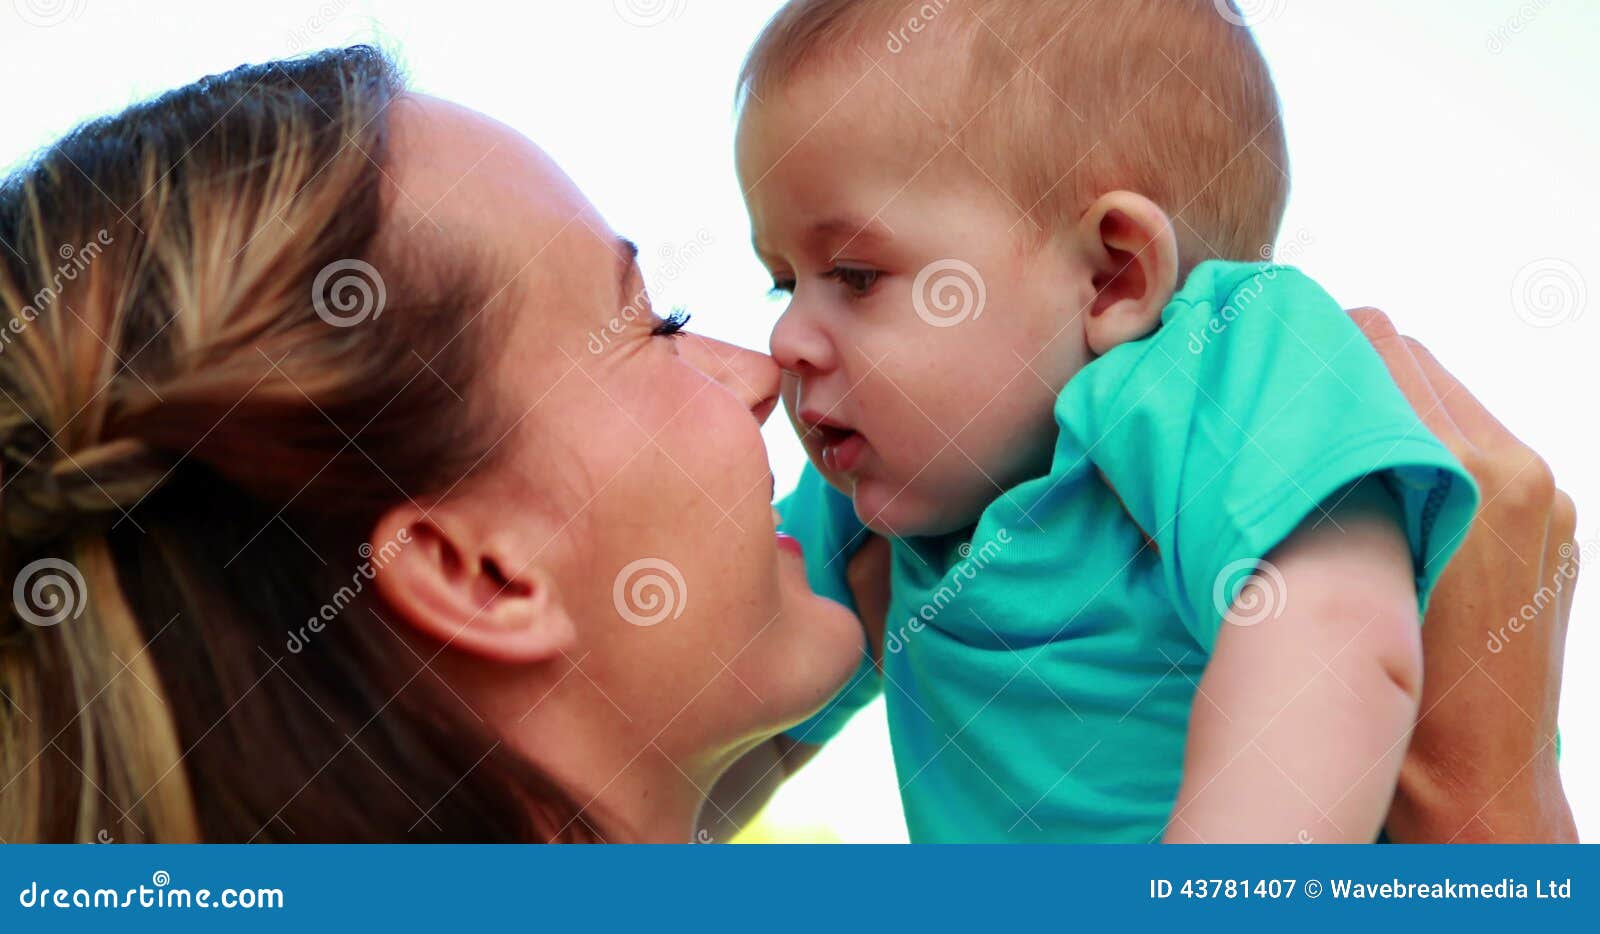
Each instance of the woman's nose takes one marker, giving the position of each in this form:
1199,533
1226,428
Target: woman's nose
751,377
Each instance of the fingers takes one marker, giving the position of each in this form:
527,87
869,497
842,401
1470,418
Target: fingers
1373,323
1518,486
1477,422
1412,379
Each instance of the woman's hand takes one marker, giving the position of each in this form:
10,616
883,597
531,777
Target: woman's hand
1482,762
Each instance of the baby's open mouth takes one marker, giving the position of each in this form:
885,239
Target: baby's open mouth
841,447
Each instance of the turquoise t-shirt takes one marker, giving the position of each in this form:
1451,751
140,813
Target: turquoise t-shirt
1038,670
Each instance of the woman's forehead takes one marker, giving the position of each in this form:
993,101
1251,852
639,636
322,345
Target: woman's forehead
459,174
454,167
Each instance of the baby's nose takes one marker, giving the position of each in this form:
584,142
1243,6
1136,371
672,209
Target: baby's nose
800,347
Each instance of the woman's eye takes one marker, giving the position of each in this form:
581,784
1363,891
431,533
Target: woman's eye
672,325
858,281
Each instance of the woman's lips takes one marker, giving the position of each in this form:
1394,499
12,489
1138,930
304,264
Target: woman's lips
842,451
790,544
786,542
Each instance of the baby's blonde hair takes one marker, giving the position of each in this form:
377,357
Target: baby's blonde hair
1060,102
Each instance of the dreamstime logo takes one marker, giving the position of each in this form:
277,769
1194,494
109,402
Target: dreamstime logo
1500,37
965,571
1572,555
48,12
676,259
75,261
373,560
1548,293
48,591
899,40
1232,596
160,893
1246,295
648,591
1289,249
348,292
1249,12
301,38
948,292
646,13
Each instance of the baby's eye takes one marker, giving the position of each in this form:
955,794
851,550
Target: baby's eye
781,287
858,281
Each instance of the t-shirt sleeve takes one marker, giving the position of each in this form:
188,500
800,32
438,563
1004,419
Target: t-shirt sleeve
824,521
1253,406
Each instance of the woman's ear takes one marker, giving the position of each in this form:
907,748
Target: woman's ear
1133,256
443,580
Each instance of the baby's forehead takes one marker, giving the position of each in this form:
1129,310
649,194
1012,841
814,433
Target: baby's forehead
1053,103
897,113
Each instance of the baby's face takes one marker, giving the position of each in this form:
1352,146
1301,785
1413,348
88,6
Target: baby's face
926,338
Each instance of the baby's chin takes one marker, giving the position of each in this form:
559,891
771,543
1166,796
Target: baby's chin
900,511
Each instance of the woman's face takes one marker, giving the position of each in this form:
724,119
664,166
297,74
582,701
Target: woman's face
634,484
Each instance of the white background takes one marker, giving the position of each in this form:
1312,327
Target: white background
1442,154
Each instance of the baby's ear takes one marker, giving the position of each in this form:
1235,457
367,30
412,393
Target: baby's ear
1133,255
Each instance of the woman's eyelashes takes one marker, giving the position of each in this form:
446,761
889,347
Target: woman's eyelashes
673,324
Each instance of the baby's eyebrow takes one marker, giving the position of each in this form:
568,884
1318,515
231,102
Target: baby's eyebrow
834,235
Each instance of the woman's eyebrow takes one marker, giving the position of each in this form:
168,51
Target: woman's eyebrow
627,259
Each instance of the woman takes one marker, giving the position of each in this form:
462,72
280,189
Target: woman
335,335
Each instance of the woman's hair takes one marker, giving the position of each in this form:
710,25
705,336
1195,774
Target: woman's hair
217,372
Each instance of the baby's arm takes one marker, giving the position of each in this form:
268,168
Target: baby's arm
1302,719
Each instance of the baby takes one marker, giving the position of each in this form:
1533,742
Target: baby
1161,523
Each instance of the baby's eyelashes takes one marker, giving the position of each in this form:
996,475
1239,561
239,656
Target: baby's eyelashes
855,279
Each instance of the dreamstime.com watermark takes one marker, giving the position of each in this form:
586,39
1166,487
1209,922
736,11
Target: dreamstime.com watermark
1249,12
675,261
48,592
948,292
1501,37
373,561
647,13
48,12
347,292
1248,294
1549,293
74,261
648,591
973,560
304,36
1243,605
160,893
1572,556
921,18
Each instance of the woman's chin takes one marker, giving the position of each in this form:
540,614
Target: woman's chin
829,629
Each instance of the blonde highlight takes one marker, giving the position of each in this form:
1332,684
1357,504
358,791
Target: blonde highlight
172,397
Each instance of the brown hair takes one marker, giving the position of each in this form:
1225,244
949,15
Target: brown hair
1061,103
199,427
